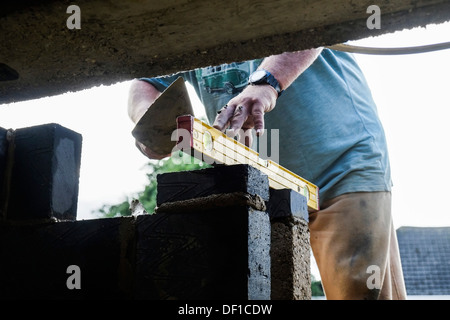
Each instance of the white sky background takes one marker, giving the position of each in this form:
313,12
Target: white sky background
412,93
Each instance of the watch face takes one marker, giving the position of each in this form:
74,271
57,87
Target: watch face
257,76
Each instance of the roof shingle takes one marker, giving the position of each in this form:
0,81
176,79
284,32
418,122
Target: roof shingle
425,255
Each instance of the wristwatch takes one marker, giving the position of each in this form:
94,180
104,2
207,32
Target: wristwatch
265,77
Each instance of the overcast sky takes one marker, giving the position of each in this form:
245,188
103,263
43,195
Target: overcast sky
412,93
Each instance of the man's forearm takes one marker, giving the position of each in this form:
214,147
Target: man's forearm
286,67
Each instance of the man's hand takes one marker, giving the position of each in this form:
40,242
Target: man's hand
246,111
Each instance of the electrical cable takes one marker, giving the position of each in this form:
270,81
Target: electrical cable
390,51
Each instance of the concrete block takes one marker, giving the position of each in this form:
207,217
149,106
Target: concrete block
219,254
290,247
286,203
176,186
34,259
45,173
53,60
291,261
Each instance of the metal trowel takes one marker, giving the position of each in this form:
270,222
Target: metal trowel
157,125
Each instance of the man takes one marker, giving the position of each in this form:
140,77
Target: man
331,135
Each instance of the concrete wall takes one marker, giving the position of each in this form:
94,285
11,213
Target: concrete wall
120,40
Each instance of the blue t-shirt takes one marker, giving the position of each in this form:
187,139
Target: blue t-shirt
328,125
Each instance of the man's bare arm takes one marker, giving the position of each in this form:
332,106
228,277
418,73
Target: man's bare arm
247,109
286,67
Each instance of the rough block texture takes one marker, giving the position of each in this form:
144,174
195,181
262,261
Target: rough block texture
122,40
231,251
286,203
34,259
208,255
221,254
176,186
45,173
290,254
290,247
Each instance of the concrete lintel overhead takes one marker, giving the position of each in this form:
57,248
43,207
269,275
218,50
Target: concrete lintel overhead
120,40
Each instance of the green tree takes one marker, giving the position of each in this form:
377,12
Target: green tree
316,287
147,197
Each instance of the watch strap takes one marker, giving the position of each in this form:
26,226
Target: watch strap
271,80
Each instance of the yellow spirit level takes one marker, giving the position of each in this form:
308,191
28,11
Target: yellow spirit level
213,146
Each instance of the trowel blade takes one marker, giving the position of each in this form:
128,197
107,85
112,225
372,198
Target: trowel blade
156,126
